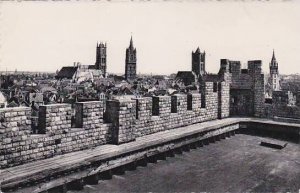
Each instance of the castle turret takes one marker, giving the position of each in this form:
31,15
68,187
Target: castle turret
130,62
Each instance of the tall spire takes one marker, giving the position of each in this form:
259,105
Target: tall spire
130,61
273,57
131,42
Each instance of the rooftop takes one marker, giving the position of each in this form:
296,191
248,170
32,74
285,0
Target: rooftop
237,164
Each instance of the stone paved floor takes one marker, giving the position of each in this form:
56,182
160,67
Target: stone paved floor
237,164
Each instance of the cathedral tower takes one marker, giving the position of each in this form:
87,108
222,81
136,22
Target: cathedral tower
274,74
198,62
130,62
101,57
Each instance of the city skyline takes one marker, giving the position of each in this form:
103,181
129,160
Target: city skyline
45,37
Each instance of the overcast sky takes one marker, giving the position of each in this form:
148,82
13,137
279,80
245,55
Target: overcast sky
44,36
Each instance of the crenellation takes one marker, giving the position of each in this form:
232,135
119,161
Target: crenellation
89,115
281,108
179,103
124,120
55,118
122,116
224,100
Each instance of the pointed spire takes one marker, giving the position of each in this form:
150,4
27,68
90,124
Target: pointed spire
198,50
131,42
273,57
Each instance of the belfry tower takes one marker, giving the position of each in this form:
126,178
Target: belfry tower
274,74
198,62
101,57
130,62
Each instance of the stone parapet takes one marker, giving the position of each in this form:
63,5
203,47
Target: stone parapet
122,115
89,115
125,120
54,118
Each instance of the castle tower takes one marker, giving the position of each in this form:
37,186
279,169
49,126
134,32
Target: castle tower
101,57
274,74
130,62
198,62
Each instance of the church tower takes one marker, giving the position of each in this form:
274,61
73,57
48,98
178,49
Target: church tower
198,62
274,74
130,62
101,57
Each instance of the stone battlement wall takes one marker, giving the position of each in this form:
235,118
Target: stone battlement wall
124,121
246,88
280,106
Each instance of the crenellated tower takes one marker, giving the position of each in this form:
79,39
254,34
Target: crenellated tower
101,57
130,62
198,62
274,74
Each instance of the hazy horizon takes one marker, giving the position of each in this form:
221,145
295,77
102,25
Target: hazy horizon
44,36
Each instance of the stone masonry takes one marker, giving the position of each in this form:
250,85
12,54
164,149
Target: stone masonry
122,114
15,127
18,146
89,115
125,121
54,119
224,99
246,87
281,108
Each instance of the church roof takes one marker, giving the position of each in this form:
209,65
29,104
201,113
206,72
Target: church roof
183,74
66,72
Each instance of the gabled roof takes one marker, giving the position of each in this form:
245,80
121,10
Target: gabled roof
66,72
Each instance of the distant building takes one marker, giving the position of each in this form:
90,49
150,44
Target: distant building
67,72
274,79
198,62
198,69
130,62
80,73
101,58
